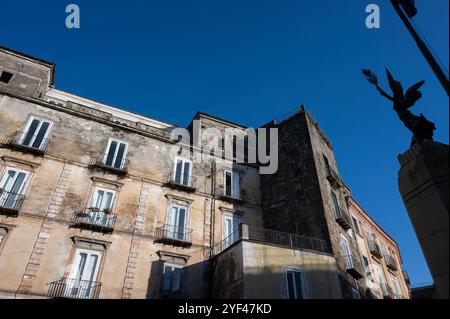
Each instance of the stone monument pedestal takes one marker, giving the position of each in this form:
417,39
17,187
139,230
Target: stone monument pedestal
423,184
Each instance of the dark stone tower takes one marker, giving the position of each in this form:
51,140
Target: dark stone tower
307,196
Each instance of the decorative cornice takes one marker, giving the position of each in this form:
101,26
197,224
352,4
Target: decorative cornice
168,254
77,240
97,179
7,158
179,198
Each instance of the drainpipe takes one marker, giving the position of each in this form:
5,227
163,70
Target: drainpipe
213,219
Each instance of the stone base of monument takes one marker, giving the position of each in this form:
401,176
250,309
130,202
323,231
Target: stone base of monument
423,184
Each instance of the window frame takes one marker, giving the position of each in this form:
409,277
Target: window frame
170,291
17,170
349,255
337,208
356,225
106,190
186,218
27,128
108,147
183,160
233,176
233,218
301,272
13,74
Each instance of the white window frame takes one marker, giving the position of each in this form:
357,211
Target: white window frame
302,280
106,190
76,264
183,161
125,152
186,219
27,128
224,221
396,287
344,242
17,170
233,187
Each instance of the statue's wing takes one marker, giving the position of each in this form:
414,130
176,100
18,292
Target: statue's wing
413,94
395,86
371,77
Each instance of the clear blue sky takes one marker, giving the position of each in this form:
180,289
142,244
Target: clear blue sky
251,61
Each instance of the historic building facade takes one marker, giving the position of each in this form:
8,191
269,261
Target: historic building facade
99,202
380,255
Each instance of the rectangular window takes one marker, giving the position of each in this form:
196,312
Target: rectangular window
381,280
384,250
356,225
83,273
327,165
337,210
347,253
231,229
396,288
177,222
11,187
5,77
294,284
182,172
101,207
36,133
231,184
115,154
367,268
171,279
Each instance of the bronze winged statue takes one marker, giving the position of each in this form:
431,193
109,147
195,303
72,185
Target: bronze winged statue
403,101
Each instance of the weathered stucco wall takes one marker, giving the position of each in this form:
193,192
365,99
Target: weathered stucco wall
254,270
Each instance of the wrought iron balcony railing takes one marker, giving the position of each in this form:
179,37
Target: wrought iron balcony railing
74,289
27,142
374,249
92,218
333,177
343,218
173,235
10,203
229,195
113,165
390,262
269,236
183,183
352,267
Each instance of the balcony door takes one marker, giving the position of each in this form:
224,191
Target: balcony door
231,229
381,280
337,209
177,222
396,288
35,133
182,172
231,184
294,281
11,186
83,274
347,252
115,154
102,203
171,280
